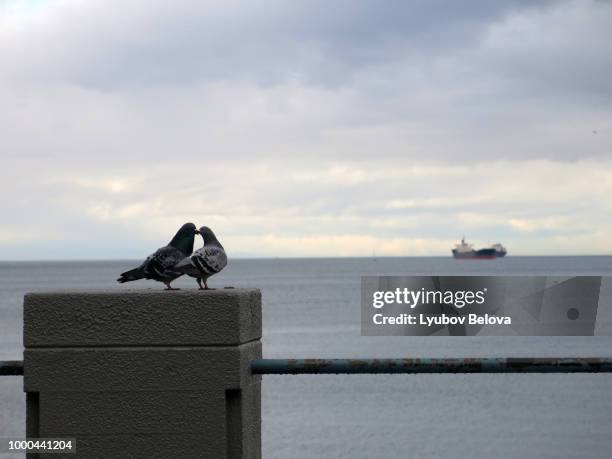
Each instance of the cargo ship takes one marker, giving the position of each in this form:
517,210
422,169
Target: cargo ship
500,250
467,251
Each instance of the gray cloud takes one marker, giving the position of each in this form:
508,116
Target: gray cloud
314,125
314,42
153,42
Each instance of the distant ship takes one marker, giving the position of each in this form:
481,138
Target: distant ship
500,250
467,251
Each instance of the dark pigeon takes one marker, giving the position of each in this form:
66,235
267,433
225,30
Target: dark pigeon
160,265
206,261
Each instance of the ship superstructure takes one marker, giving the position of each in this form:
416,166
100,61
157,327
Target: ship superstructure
500,250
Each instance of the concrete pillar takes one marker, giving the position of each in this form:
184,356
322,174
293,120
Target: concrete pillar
146,373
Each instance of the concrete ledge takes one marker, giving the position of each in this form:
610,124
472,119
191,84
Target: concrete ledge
145,446
130,413
145,373
142,318
145,369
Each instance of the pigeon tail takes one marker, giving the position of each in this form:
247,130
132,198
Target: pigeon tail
131,275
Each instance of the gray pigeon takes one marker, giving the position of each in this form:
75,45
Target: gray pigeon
206,261
160,265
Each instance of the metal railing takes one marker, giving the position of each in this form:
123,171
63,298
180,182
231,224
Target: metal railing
406,366
11,368
413,366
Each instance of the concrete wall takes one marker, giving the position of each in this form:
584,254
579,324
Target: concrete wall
145,373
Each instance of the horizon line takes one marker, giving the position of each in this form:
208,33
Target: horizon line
299,258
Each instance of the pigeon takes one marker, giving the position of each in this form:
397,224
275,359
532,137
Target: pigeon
159,265
206,261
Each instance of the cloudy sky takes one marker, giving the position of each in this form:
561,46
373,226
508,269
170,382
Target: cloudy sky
305,128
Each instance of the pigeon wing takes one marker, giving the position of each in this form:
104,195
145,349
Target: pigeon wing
159,265
186,266
209,260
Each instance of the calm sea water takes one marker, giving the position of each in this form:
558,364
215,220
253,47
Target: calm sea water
311,309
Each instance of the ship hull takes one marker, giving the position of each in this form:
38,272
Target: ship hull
482,254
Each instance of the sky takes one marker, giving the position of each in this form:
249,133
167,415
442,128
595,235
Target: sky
305,128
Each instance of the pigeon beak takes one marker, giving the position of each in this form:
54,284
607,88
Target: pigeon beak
196,232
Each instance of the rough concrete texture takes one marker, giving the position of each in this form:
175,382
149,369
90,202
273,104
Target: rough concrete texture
151,369
146,374
142,317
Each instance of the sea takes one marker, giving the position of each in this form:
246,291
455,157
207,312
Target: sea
311,308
